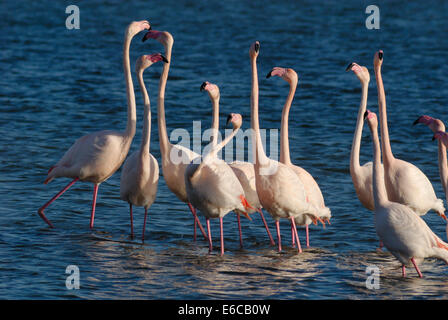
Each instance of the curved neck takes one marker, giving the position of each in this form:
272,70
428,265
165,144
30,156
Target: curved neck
443,168
146,134
385,142
132,117
356,144
379,188
255,124
163,135
215,121
284,138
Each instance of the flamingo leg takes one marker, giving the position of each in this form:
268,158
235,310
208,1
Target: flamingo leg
132,223
416,268
209,236
279,239
307,236
41,209
92,215
196,222
239,229
293,224
403,270
222,236
293,237
266,226
144,224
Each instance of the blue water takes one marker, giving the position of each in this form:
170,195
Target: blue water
60,84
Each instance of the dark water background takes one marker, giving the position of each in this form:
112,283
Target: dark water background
57,85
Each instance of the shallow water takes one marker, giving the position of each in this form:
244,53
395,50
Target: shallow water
60,84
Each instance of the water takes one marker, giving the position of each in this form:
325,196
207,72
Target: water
60,84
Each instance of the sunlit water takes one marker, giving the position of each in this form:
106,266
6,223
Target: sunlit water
60,84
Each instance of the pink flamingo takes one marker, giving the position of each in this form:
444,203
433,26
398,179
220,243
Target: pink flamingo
244,171
96,156
213,188
172,169
404,233
140,173
279,189
312,190
405,183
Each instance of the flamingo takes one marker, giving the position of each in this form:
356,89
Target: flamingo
140,173
405,183
312,190
279,189
404,233
173,169
244,171
213,188
96,156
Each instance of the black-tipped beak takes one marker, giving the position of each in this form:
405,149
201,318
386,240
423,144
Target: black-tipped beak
146,36
349,67
257,47
229,118
380,55
433,137
203,86
268,75
366,114
416,121
164,59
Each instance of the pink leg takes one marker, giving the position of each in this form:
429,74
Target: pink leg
293,223
132,221
403,270
41,209
196,221
92,215
416,268
293,237
266,226
239,229
307,236
279,239
222,236
144,225
209,236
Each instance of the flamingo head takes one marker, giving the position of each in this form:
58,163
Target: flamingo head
164,37
286,74
360,71
147,60
371,119
378,59
441,136
211,88
136,27
254,49
434,124
235,119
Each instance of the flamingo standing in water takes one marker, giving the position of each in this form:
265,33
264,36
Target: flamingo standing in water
404,234
175,158
279,189
244,171
213,188
312,190
140,173
405,183
96,156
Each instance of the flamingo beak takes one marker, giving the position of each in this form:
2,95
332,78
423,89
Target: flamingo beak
203,85
269,75
366,114
229,118
416,121
349,67
165,60
257,47
380,55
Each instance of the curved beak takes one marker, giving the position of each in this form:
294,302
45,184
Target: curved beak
416,121
380,55
366,114
229,118
349,67
165,60
203,86
257,47
269,75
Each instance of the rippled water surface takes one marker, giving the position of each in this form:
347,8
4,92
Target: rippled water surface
58,84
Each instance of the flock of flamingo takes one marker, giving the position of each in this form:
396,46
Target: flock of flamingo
396,191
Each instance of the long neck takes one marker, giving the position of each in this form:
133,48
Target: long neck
284,139
443,168
255,124
163,135
385,142
356,144
132,117
379,188
146,134
215,121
